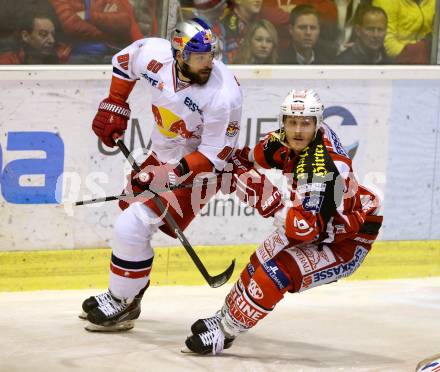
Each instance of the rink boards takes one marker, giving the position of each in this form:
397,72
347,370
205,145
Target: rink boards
387,118
88,268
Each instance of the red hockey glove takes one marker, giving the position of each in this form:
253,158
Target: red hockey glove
256,190
158,177
301,224
240,161
238,164
110,121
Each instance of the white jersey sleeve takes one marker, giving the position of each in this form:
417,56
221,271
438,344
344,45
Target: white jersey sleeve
130,62
222,122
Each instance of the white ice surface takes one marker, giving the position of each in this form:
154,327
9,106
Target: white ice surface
348,326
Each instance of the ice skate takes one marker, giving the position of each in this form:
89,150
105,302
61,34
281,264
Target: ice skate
94,301
213,341
114,315
206,324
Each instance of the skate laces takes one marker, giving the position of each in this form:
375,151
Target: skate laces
112,307
214,337
212,323
103,298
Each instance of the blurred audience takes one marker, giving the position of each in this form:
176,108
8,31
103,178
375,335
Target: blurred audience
9,25
250,31
409,32
234,24
210,10
304,35
145,13
96,28
370,29
346,10
260,45
30,33
38,43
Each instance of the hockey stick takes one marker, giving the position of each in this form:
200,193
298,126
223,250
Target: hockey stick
213,281
129,196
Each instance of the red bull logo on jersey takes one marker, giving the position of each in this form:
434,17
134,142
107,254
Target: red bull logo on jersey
171,125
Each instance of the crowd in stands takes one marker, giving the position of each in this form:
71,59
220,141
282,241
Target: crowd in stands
73,31
249,31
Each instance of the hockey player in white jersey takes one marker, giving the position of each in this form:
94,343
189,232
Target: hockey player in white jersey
197,104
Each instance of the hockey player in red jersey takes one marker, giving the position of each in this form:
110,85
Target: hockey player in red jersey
196,104
324,230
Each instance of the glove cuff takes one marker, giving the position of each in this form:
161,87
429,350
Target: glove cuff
115,108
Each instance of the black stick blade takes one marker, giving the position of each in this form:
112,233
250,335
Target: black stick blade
220,279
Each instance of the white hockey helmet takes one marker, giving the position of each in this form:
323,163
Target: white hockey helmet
302,103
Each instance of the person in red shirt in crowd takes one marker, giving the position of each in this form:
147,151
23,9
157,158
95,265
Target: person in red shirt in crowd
97,28
39,45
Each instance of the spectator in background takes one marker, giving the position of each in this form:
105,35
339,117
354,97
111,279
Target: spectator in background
39,45
36,34
145,12
370,29
97,28
278,11
346,10
260,45
209,10
234,24
304,33
9,25
408,38
149,16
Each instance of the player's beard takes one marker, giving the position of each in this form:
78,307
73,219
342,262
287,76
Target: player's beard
194,77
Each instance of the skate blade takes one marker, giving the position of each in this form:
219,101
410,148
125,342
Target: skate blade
185,350
119,327
83,315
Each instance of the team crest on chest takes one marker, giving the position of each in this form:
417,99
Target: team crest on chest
232,129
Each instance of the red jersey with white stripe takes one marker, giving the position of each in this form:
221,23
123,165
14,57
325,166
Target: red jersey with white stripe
187,118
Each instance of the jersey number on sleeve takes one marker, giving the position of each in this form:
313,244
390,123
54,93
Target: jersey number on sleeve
154,66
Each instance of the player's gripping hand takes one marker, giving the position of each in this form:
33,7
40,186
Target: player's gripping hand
110,121
240,161
156,177
238,164
301,224
256,190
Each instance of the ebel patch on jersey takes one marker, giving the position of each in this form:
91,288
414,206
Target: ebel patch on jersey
313,203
